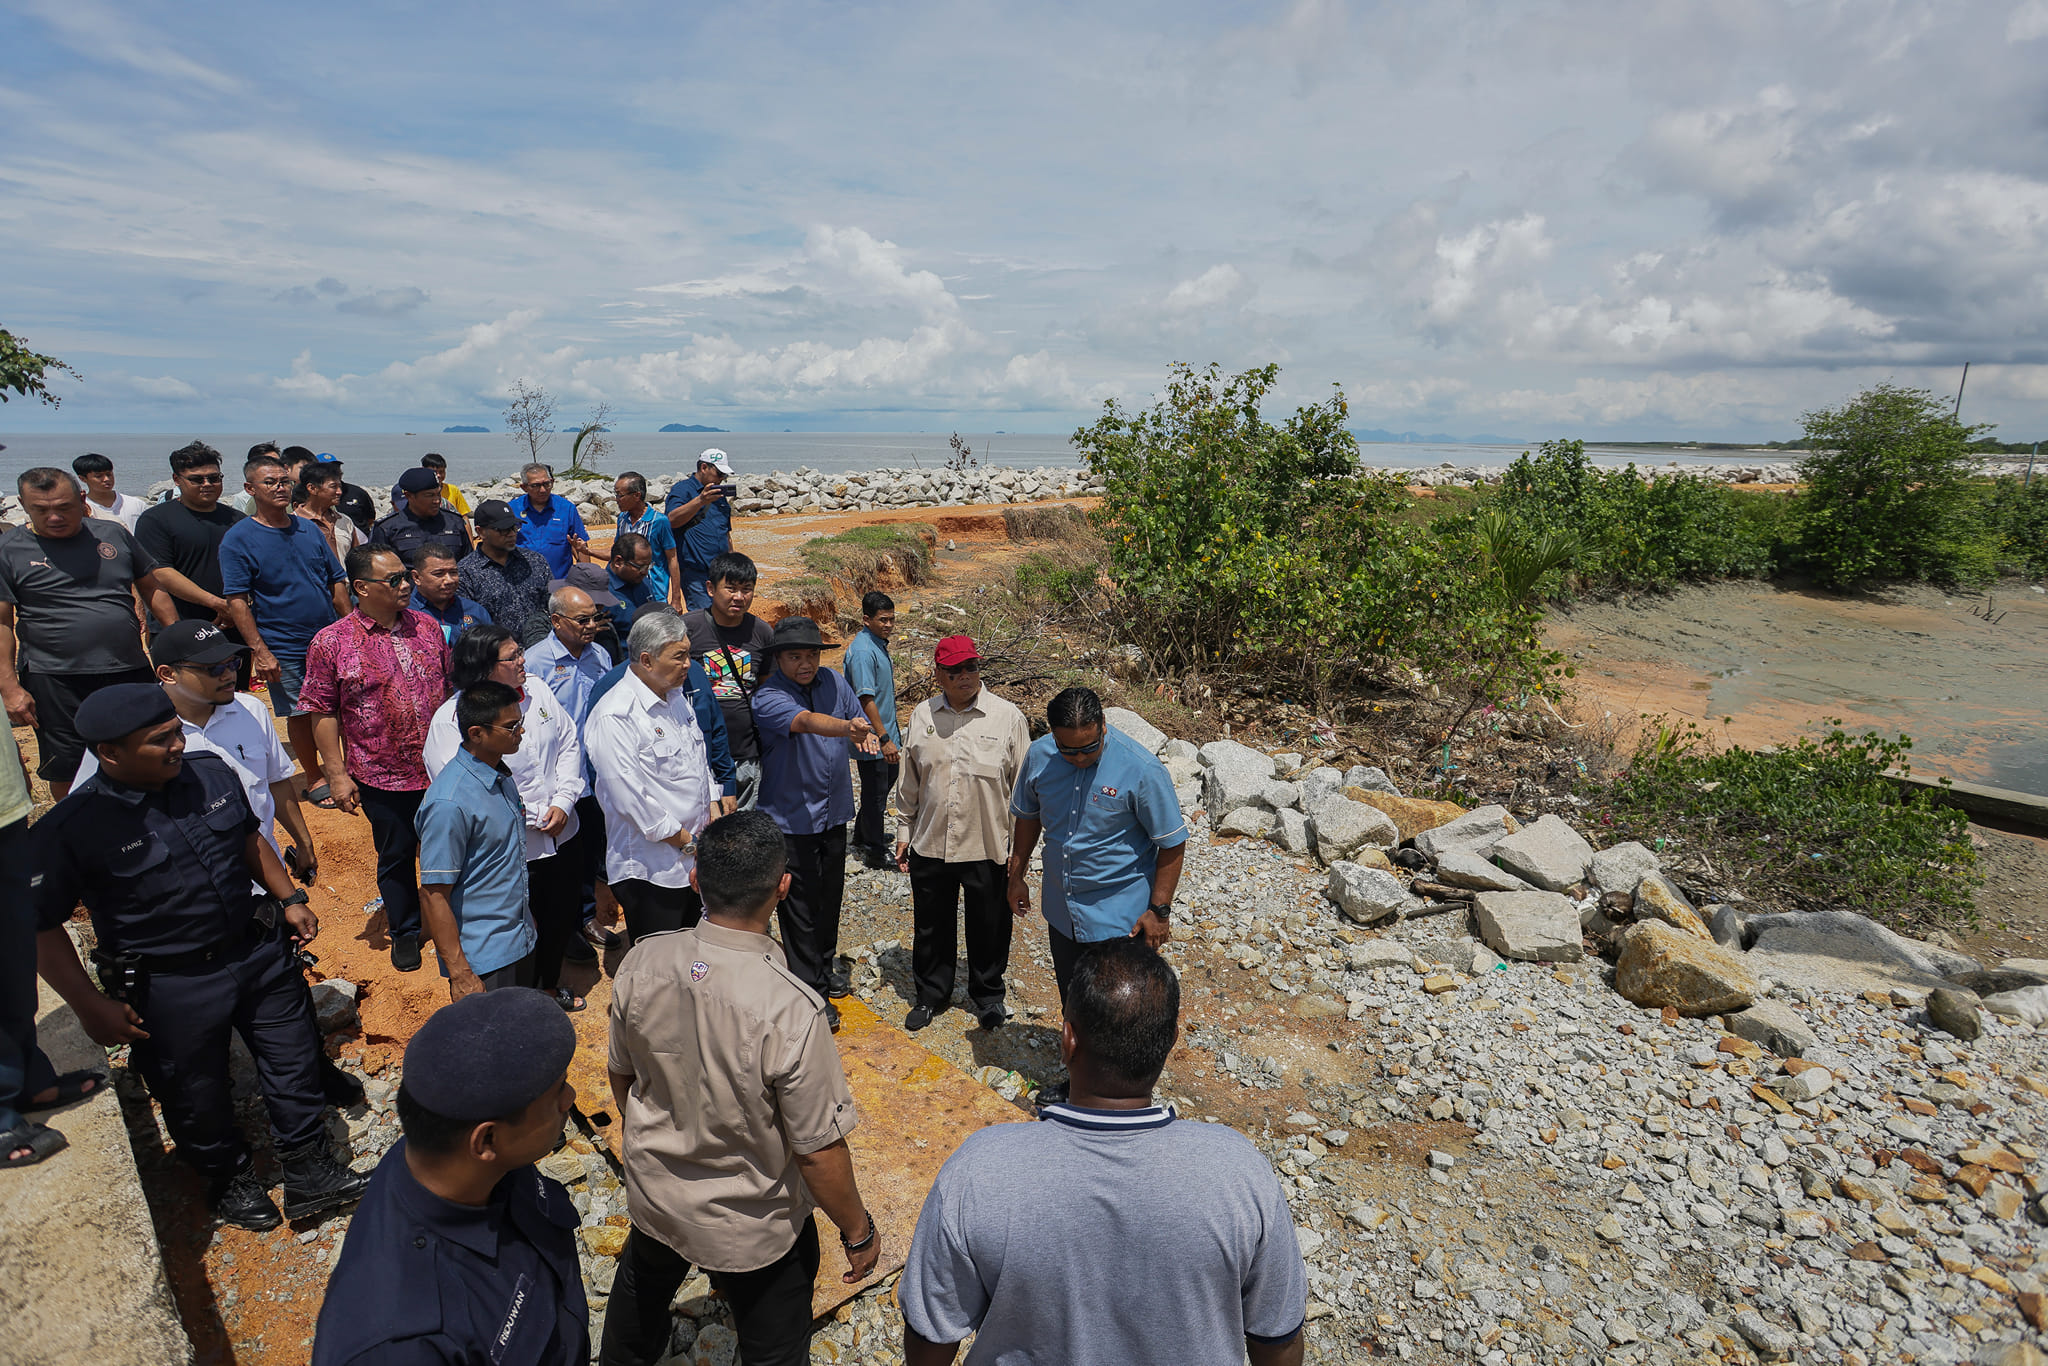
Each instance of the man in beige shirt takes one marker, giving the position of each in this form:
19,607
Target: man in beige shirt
962,752
735,1114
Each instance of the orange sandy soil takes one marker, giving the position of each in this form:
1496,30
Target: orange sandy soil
253,1298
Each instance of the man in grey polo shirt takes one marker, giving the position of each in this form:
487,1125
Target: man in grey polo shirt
1192,1210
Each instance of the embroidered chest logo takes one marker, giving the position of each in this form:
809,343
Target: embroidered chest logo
698,971
659,731
107,552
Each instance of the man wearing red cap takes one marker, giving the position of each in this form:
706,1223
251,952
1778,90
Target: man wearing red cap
962,752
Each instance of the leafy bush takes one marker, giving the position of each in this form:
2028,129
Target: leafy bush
1815,822
1633,534
1888,493
1057,580
2017,514
864,555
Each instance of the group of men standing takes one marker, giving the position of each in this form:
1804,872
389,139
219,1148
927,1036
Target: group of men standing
705,781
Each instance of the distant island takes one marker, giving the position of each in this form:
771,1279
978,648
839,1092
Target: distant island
1376,434
684,427
465,429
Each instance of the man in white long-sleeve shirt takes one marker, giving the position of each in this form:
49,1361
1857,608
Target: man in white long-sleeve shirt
654,780
548,771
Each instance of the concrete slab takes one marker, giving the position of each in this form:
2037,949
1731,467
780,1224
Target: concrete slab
81,1274
915,1108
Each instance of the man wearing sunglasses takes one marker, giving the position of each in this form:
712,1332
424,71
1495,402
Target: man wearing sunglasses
374,680
1114,837
185,533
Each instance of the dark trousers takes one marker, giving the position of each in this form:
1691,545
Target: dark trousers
59,749
261,996
514,974
1065,953
554,895
23,1068
871,826
398,845
590,834
936,886
809,915
771,1308
652,909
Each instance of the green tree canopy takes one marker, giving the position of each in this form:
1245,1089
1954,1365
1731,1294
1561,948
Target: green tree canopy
25,371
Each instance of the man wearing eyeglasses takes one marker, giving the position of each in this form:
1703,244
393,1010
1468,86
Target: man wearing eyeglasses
549,526
472,829
373,682
1114,836
962,752
185,533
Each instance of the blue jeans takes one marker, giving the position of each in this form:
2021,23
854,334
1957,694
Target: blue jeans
23,1068
696,588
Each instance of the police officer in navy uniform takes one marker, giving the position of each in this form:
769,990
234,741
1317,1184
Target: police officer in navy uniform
461,1250
161,848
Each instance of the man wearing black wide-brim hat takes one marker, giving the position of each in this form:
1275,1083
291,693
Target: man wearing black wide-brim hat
810,724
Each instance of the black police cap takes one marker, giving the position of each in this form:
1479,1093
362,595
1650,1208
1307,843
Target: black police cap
489,1055
123,709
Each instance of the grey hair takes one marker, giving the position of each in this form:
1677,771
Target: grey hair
655,632
527,469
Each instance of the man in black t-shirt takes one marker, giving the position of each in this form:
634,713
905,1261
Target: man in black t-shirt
185,532
68,615
724,638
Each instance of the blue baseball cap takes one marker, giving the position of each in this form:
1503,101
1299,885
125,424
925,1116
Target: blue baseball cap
325,459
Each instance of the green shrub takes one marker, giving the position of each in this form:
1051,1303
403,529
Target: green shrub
1888,494
1814,823
1633,534
1057,581
864,555
2017,514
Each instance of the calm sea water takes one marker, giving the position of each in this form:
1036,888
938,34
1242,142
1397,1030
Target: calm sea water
378,458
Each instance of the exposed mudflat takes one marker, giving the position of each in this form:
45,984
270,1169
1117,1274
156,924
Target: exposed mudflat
1774,660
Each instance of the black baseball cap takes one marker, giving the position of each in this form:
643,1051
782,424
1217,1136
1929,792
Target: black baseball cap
495,514
194,642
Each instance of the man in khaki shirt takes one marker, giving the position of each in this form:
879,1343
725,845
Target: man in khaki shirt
735,1114
962,752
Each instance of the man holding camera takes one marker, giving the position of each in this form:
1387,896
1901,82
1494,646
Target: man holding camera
700,513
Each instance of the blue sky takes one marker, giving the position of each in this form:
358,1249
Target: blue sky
1639,219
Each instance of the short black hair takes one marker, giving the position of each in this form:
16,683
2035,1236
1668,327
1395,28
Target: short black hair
432,461
1124,1004
92,462
733,568
43,478
634,480
428,1132
359,558
431,550
317,473
629,544
294,453
479,705
1074,709
194,455
875,600
740,859
476,654
263,448
259,461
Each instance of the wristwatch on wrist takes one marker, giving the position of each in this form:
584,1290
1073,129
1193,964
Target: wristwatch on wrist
297,898
1162,909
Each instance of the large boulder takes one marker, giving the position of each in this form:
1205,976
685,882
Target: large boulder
1366,895
1537,927
1317,784
1658,898
1955,1013
1460,869
2028,1004
1549,854
1661,966
1183,770
1372,779
1475,832
1773,1025
1137,727
1290,832
1255,821
1846,951
334,1004
1179,749
1229,753
1620,868
1278,796
1227,787
1411,815
1341,826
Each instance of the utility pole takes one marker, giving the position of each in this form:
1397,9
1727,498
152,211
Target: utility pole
1959,393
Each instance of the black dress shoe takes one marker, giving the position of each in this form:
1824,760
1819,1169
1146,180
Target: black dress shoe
242,1201
314,1181
577,949
839,983
341,1089
405,953
832,1016
991,1017
918,1018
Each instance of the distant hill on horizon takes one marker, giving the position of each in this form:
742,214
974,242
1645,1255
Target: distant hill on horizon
685,427
1380,435
464,429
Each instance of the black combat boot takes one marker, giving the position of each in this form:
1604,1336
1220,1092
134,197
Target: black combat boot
314,1181
241,1200
340,1088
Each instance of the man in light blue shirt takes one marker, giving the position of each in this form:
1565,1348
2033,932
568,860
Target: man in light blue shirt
872,676
472,831
1114,836
551,527
567,658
